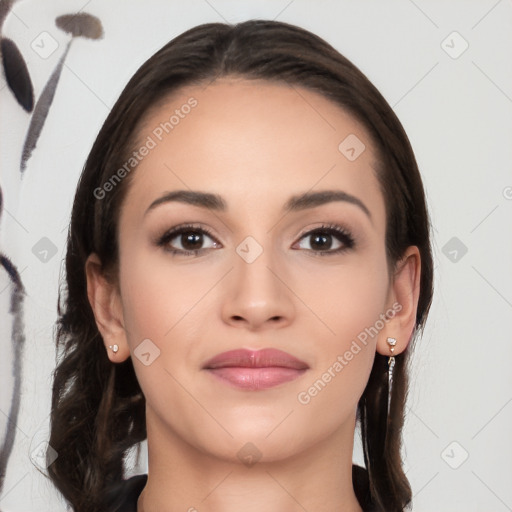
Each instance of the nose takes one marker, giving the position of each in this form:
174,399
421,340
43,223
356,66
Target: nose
257,295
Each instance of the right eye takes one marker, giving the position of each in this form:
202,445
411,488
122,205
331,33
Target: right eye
190,238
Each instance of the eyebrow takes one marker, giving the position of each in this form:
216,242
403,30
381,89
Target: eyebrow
296,203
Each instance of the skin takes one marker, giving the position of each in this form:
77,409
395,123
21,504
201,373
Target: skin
194,307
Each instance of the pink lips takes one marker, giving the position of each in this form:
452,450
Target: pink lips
254,370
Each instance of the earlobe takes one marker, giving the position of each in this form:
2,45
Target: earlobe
104,300
403,300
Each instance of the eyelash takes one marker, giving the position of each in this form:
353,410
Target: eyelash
342,234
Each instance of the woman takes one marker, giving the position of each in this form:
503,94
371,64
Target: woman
248,252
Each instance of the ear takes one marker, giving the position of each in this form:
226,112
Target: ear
402,303
106,304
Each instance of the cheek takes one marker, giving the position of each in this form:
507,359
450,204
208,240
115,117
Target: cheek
160,303
347,298
158,295
163,303
350,302
360,302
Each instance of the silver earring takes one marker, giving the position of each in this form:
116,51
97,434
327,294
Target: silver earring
114,348
391,364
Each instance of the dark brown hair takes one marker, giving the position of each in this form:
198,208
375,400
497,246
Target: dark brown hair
98,409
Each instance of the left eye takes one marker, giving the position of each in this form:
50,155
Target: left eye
322,240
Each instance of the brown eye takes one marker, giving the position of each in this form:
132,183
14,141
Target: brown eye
190,238
323,238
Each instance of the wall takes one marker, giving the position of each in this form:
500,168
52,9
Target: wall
445,68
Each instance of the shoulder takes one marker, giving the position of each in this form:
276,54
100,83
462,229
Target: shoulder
129,493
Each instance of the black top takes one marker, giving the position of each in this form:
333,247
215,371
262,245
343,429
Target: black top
132,488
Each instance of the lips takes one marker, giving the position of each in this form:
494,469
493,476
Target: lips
251,370
265,358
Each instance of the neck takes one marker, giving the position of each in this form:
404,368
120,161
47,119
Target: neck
181,477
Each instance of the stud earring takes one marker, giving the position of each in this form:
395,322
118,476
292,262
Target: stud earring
114,348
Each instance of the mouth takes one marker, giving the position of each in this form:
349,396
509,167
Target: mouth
255,370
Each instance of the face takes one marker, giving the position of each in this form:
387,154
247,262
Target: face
261,276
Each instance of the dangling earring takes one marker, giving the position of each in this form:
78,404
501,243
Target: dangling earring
114,348
391,364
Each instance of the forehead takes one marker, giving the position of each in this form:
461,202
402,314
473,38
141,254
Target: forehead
252,142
